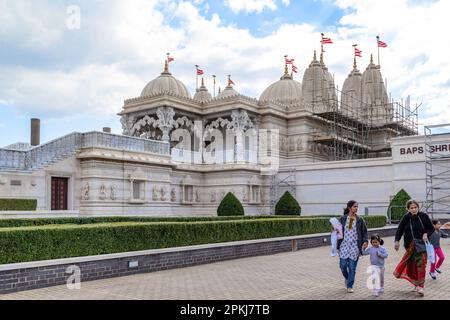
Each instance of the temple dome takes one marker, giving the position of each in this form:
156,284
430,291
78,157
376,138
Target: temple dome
286,91
202,93
351,96
373,88
227,92
318,86
165,83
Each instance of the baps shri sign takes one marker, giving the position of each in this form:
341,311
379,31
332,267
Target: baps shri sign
411,150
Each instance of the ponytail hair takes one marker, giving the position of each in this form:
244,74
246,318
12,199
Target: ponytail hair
378,238
349,205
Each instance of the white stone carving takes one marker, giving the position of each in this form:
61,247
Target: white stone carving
86,191
173,195
102,192
213,196
113,192
197,195
155,193
163,194
245,194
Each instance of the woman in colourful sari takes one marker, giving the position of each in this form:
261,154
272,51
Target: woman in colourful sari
415,227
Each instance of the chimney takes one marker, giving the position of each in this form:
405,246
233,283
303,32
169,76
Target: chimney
35,132
107,129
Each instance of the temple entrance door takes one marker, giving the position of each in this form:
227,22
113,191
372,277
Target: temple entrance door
59,193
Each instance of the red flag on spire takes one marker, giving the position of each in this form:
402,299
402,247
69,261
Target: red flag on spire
358,53
199,71
230,82
382,44
326,40
169,59
294,69
288,61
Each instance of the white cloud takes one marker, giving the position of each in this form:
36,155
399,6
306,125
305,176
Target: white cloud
285,2
92,90
250,5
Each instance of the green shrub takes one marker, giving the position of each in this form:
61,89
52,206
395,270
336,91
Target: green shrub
287,205
24,222
23,244
398,205
230,206
18,204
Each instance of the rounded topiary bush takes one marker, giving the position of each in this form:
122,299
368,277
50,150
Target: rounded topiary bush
287,205
398,204
230,206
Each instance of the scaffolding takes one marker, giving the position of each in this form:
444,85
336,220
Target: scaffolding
356,130
437,170
289,183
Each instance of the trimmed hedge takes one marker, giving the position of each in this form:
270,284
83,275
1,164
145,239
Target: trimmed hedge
18,204
287,205
23,244
398,204
230,206
27,222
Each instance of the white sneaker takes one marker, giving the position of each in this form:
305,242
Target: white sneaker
438,270
375,293
350,290
420,292
381,291
433,275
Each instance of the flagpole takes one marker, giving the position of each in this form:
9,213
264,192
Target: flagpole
321,46
196,75
378,39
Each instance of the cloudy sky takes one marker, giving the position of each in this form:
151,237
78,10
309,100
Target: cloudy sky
73,63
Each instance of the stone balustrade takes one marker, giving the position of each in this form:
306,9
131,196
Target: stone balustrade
57,149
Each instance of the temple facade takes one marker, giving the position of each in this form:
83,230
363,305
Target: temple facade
180,154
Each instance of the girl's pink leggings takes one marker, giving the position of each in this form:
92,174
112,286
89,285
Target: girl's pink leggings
438,254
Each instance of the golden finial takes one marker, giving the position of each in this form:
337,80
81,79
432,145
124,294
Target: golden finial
166,66
354,63
371,58
203,82
315,56
321,58
286,71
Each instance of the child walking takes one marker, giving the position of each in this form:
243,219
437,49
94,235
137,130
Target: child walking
377,256
435,240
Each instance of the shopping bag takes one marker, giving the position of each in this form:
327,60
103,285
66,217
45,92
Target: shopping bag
337,226
333,243
430,252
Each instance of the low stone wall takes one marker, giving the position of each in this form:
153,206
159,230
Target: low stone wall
39,274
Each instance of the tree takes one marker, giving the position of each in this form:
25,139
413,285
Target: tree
287,205
398,205
230,206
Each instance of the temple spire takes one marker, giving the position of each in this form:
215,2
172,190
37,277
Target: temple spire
354,63
371,58
166,67
315,56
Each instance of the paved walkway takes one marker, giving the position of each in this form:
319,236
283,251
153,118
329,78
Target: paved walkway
305,274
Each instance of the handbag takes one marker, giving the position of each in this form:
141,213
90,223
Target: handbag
420,244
